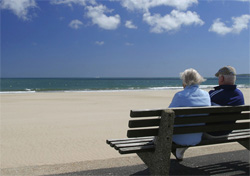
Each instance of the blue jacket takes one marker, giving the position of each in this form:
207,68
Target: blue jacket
225,95
191,96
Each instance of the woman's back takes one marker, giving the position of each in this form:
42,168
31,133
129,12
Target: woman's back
191,96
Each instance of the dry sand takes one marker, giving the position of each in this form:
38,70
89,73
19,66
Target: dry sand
39,129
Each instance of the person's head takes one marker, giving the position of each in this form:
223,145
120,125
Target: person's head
191,77
226,75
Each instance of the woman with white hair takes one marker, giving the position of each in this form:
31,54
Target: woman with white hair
191,96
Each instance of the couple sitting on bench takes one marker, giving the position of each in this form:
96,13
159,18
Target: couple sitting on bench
226,94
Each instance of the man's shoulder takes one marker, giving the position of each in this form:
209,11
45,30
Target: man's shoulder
240,95
238,91
215,89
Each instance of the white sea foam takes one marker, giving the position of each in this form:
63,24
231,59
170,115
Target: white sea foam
16,92
207,86
118,90
243,86
173,88
165,88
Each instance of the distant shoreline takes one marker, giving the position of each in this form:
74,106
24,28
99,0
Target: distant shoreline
108,91
31,85
122,77
244,75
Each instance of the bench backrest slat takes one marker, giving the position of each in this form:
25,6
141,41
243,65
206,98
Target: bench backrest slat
190,110
189,129
211,118
211,109
144,123
210,128
145,113
191,116
143,132
190,120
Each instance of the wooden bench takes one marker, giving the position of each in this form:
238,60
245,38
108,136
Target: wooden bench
152,138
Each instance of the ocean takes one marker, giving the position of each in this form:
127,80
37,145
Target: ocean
32,85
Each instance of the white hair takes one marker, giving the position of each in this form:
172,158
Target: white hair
229,79
191,77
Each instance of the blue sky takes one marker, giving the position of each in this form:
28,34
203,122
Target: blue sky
128,38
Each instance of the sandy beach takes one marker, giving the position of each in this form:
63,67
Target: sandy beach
51,128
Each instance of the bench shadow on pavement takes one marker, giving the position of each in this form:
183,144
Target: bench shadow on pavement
229,163
226,168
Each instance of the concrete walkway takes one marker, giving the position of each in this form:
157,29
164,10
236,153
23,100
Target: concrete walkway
225,159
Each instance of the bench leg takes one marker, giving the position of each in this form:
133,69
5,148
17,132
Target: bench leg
158,161
157,164
245,143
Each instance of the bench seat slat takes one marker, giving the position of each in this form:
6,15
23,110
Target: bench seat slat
128,142
108,141
243,130
112,144
237,135
117,146
148,148
212,142
142,147
241,133
224,140
221,141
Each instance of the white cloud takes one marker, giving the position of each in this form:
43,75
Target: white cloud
95,12
172,21
239,24
130,25
98,16
75,24
70,2
145,5
219,27
19,7
99,43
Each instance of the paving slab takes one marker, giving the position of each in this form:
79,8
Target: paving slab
228,163
222,159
